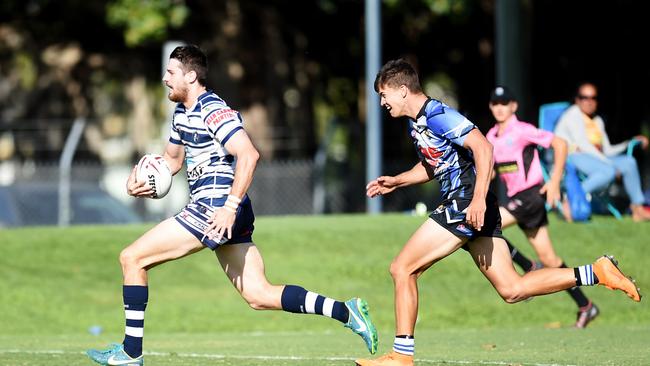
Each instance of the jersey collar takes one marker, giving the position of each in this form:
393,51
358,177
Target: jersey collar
423,110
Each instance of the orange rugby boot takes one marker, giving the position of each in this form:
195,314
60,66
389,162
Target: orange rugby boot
609,275
390,359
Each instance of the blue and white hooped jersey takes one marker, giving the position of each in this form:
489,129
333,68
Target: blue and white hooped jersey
204,130
438,133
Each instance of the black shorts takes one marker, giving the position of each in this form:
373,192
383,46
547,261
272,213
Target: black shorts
450,214
529,208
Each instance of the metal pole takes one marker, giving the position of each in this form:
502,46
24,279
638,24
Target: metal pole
65,165
373,112
168,48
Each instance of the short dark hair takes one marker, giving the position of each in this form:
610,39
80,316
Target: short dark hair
398,72
192,59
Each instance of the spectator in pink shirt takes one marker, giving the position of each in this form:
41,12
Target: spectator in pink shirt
517,162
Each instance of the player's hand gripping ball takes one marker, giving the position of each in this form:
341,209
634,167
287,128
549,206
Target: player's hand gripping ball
153,169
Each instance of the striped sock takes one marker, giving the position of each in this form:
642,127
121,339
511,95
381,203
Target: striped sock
296,299
404,344
576,294
584,275
135,302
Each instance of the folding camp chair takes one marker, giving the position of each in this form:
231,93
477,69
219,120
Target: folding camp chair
549,115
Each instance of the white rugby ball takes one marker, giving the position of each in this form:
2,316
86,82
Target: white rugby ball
153,169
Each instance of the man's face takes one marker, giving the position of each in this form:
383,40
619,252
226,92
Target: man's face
502,112
175,80
587,99
393,99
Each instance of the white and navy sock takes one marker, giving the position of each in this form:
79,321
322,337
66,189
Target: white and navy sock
135,303
296,299
404,344
585,276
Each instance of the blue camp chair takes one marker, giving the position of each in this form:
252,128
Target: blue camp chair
549,115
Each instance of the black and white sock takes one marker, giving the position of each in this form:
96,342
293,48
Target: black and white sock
404,344
585,276
296,299
135,303
576,294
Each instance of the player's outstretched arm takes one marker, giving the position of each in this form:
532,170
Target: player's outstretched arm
420,173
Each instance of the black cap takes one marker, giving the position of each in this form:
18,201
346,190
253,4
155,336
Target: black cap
502,94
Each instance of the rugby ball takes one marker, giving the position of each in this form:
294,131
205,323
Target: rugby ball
153,169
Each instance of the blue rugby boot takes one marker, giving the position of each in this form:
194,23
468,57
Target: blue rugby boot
114,355
361,324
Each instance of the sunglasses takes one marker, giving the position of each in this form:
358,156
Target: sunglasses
589,97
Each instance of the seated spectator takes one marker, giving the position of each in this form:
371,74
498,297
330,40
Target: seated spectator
593,155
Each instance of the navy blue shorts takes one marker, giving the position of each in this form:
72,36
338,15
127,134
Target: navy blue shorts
194,217
450,214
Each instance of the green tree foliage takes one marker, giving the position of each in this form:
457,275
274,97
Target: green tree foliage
146,20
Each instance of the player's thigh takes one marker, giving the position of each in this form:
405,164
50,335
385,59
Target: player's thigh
507,218
430,243
492,257
243,264
166,241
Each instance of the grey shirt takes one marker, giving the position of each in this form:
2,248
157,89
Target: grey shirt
571,127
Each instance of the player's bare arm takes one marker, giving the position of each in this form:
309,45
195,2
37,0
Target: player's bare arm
482,151
552,187
420,173
240,146
174,157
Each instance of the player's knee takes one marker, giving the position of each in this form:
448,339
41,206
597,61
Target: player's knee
258,299
398,270
130,261
512,293
127,259
257,305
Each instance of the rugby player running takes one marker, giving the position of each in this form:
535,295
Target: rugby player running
452,150
209,137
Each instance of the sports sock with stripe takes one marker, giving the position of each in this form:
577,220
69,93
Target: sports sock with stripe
576,294
585,276
404,344
135,303
296,299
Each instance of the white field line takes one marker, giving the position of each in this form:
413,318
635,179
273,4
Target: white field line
282,358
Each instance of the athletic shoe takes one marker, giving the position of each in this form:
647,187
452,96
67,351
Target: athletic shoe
361,324
114,355
609,275
390,359
586,314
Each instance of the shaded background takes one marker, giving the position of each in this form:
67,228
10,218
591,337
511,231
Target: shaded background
296,72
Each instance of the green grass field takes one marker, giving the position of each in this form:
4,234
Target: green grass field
57,283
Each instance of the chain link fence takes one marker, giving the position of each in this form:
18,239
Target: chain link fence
29,191
31,178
